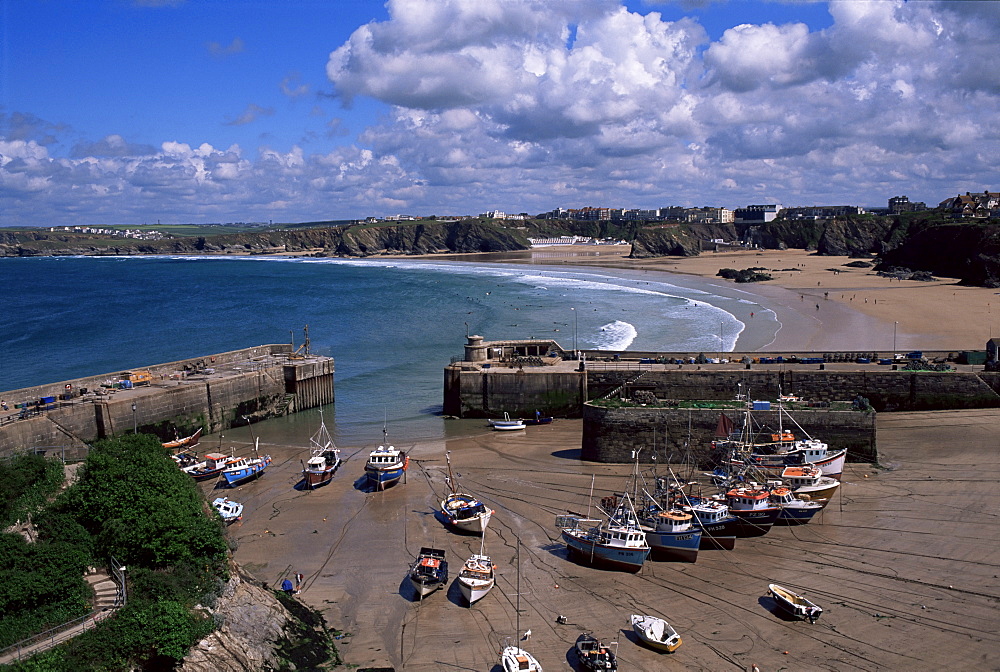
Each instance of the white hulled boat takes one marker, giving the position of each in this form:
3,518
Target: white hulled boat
464,511
324,458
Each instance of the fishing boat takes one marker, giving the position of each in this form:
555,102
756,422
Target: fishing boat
655,633
210,467
752,507
794,604
794,510
773,458
512,657
429,572
594,655
718,526
616,543
246,469
671,534
809,481
463,511
477,577
186,442
323,461
229,510
386,465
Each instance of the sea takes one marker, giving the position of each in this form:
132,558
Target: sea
391,325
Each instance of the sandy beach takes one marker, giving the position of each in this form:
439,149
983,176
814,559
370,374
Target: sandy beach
902,560
857,309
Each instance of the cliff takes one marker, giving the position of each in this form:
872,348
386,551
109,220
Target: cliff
665,240
967,251
423,237
257,632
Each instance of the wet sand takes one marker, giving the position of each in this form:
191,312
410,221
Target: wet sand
903,560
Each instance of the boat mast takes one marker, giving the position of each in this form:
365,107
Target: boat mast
451,479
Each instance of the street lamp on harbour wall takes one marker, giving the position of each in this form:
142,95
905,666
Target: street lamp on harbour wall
576,331
894,325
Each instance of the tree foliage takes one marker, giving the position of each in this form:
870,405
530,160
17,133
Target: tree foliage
133,503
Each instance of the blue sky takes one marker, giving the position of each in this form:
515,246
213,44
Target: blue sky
124,112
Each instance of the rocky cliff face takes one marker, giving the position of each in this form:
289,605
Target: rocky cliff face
254,629
664,241
967,251
357,241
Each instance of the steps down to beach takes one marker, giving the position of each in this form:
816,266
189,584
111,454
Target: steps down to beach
105,604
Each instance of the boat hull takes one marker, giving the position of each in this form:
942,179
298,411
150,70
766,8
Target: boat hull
754,522
796,515
380,479
677,546
425,588
313,479
456,509
794,604
235,477
515,659
655,633
592,553
474,592
720,535
773,465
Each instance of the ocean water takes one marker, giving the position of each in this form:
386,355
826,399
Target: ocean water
391,325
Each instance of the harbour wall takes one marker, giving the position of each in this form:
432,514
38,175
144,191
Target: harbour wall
885,390
612,434
214,392
474,392
471,391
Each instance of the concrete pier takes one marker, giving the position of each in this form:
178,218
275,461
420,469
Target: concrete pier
214,392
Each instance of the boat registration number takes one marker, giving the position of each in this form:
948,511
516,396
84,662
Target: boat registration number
683,537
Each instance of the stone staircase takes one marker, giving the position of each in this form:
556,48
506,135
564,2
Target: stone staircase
106,601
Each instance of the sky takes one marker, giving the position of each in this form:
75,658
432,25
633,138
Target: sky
127,112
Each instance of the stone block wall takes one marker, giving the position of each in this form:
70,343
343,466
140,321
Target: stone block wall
481,393
613,434
886,390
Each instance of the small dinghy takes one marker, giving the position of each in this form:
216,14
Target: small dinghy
794,604
429,572
229,510
655,633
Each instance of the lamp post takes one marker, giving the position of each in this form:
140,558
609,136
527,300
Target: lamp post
894,325
134,426
576,331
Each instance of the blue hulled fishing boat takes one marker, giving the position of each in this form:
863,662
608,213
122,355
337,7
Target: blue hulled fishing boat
246,469
386,465
617,543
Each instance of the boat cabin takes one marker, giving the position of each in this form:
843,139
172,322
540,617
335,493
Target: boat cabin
799,476
710,511
673,521
383,456
744,499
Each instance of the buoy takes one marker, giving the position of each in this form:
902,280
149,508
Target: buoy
786,653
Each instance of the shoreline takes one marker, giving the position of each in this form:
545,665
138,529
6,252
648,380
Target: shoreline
858,310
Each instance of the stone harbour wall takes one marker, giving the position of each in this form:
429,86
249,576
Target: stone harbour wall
612,434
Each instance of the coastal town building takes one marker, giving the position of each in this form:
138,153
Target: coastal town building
822,211
898,204
757,214
981,205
